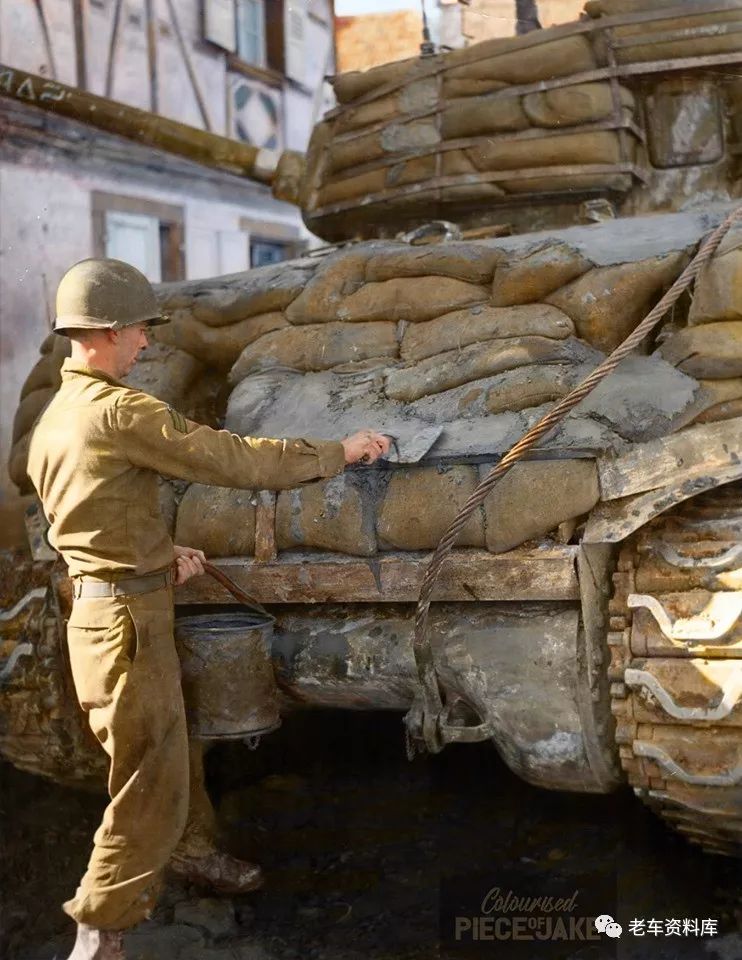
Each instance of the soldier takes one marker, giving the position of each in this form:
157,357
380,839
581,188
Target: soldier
94,459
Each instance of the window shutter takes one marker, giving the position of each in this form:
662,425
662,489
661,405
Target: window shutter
274,35
296,34
219,23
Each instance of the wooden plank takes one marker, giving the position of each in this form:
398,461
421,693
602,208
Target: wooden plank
472,575
151,21
78,13
615,520
265,527
112,46
432,185
696,452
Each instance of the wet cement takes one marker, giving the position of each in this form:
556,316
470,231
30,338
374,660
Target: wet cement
362,850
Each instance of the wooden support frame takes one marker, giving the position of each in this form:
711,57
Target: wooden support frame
467,575
265,527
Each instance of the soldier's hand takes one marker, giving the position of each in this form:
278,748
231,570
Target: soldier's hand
365,446
188,563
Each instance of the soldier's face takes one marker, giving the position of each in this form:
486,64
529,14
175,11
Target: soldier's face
129,344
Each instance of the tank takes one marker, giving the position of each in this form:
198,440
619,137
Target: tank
500,218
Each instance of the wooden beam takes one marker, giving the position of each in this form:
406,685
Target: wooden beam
615,520
189,65
47,39
78,14
700,451
265,527
151,24
473,575
112,43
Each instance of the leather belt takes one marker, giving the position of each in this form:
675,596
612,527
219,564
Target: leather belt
86,589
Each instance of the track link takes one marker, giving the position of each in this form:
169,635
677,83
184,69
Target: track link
676,667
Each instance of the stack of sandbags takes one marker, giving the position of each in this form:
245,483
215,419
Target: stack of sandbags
477,337
673,34
40,386
462,115
710,348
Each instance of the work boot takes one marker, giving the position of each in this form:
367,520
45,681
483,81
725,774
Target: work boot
95,944
219,871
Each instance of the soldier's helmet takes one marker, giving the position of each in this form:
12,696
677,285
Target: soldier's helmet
105,294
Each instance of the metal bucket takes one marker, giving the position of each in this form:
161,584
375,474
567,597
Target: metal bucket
229,686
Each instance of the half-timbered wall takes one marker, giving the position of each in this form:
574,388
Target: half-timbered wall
65,188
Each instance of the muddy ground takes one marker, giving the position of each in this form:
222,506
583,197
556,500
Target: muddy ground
363,850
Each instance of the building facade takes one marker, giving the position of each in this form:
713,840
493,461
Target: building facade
248,69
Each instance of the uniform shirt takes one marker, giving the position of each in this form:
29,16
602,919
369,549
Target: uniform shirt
95,456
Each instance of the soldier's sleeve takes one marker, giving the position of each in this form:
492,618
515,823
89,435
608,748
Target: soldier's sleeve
155,436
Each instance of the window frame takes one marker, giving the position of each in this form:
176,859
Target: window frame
172,228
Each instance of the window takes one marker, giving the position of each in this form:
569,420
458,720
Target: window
251,46
145,233
135,239
263,252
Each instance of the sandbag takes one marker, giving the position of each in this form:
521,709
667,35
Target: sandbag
559,183
420,503
336,190
718,290
335,514
18,463
470,116
28,411
535,497
722,391
567,106
612,8
338,276
166,373
536,274
480,323
708,352
457,87
410,299
451,369
47,371
525,59
550,150
218,520
607,303
317,347
393,138
263,290
529,386
357,83
474,263
651,40
365,114
722,411
217,347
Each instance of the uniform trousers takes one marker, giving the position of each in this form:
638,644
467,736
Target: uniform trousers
127,677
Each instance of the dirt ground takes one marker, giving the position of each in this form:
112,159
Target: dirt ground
363,852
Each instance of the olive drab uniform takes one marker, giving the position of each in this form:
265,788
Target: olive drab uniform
94,459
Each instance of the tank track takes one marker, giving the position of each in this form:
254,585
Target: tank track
675,639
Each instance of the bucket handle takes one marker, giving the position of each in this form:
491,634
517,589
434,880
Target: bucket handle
237,592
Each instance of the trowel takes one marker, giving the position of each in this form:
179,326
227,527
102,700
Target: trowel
411,443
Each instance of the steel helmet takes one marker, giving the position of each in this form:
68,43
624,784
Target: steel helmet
104,294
